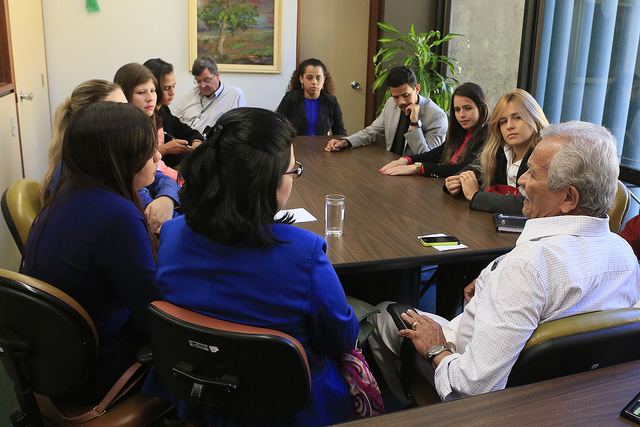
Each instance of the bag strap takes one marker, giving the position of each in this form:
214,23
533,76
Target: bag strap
119,389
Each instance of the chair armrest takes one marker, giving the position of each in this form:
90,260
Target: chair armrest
395,310
145,354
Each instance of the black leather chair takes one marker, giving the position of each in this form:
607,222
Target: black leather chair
48,347
557,348
228,369
577,344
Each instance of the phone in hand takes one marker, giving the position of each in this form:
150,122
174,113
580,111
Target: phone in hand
438,240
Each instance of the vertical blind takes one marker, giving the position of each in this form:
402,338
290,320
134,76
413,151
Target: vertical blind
589,68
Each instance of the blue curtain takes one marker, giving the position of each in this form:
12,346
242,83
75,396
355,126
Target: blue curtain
590,69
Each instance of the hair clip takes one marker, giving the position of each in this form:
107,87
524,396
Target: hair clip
213,134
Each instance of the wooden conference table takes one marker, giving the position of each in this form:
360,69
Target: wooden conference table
385,214
593,398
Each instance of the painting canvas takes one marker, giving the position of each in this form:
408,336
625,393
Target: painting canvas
241,35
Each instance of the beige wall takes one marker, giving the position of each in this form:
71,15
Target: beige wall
82,45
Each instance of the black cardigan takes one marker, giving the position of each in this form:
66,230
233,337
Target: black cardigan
329,113
175,129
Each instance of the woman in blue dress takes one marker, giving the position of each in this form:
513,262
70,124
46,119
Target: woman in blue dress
92,240
310,104
228,257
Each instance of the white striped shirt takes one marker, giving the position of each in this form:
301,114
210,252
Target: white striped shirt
561,266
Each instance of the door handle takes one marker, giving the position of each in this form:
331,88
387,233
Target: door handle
26,96
355,85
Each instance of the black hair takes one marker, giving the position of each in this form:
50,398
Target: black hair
456,134
105,145
159,68
231,180
294,83
401,75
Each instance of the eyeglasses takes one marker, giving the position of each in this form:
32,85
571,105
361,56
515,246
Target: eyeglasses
298,171
203,81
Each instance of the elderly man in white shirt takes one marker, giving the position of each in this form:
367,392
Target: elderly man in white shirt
565,262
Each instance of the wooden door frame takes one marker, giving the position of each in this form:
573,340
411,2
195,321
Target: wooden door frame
7,80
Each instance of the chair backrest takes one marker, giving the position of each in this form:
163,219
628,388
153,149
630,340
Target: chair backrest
49,346
20,206
236,371
47,338
578,343
619,209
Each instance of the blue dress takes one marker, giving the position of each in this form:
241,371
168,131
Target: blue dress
93,245
162,185
291,287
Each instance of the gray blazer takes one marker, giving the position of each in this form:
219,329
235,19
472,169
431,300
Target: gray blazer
431,135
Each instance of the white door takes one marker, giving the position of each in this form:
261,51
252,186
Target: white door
339,40
30,70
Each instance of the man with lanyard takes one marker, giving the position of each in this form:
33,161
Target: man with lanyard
201,106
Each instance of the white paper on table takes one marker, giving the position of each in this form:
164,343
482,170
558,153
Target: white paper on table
299,215
443,248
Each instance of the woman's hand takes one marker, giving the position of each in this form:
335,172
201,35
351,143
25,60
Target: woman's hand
400,162
469,184
195,143
159,211
453,184
403,170
175,146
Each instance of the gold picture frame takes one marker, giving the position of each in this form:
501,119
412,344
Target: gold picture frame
256,49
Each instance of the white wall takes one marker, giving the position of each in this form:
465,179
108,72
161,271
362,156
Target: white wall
82,45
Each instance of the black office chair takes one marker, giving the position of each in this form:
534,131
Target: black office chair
228,369
577,344
557,348
49,347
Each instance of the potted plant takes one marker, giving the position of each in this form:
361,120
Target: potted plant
419,48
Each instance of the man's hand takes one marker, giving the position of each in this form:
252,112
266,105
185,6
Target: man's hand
453,184
175,146
413,111
469,184
159,211
336,144
470,290
423,332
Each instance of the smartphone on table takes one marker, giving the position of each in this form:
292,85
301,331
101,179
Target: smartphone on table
438,240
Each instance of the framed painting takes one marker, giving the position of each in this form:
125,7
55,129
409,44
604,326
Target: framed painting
241,35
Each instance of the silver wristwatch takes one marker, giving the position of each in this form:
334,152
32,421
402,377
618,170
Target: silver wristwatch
435,350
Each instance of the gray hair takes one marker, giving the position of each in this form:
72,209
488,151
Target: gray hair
588,160
204,62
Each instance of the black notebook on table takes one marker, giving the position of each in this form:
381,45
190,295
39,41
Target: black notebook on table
509,223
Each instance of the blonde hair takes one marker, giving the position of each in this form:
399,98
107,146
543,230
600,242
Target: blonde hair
529,110
83,95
